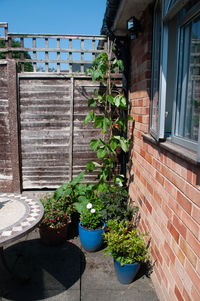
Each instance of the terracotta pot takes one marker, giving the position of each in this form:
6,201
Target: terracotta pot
53,236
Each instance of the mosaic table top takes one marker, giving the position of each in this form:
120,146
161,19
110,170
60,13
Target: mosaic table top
18,216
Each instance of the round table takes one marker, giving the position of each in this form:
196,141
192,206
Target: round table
18,216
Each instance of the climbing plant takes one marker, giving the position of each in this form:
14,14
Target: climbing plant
111,122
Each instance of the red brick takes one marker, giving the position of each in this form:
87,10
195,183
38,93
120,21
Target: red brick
167,211
176,277
196,213
190,223
165,170
181,256
137,173
178,294
159,178
169,252
148,158
158,255
163,277
188,252
193,275
150,189
157,273
156,164
143,180
178,181
157,198
195,294
170,188
189,175
184,202
148,206
179,226
193,193
164,254
186,296
194,243
175,247
173,231
174,205
198,267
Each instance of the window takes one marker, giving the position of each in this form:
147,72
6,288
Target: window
175,108
188,106
156,69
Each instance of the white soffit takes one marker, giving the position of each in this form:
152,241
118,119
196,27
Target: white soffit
127,9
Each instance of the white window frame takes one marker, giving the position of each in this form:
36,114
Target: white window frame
162,82
169,11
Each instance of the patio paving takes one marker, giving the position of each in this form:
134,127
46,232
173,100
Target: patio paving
66,272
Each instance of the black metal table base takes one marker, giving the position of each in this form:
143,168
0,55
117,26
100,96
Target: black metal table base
21,278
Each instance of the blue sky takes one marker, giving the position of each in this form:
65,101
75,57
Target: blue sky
53,16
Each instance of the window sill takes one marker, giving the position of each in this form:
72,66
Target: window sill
179,151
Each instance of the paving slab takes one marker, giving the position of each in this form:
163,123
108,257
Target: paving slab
65,273
53,271
99,282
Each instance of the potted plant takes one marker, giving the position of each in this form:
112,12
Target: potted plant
127,247
54,225
91,225
115,204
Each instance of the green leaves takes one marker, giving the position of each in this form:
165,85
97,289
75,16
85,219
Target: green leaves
99,67
120,101
101,153
124,143
124,243
111,103
119,180
113,143
98,123
94,143
90,166
91,102
118,63
78,179
89,117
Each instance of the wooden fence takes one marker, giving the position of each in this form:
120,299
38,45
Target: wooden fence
43,140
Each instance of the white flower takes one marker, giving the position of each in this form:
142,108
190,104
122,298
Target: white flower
89,206
92,210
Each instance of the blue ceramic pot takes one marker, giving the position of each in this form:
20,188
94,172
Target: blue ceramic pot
91,240
127,272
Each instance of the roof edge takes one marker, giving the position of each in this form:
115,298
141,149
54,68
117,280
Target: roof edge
110,14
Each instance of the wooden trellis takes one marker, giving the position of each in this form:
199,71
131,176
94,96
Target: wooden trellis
74,52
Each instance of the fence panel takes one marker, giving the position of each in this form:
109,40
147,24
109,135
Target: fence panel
45,112
45,131
55,145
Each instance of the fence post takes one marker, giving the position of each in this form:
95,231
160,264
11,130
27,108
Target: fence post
71,130
13,122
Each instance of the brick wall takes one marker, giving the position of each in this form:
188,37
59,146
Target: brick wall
165,187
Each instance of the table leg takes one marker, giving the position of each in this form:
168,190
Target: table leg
3,259
21,278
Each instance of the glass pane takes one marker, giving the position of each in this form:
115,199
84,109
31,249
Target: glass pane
156,70
189,81
173,2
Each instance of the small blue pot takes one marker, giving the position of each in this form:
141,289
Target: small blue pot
127,272
91,240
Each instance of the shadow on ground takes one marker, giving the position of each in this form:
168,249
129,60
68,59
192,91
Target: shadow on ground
51,270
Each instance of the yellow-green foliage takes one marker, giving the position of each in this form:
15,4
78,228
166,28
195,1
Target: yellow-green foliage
124,243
